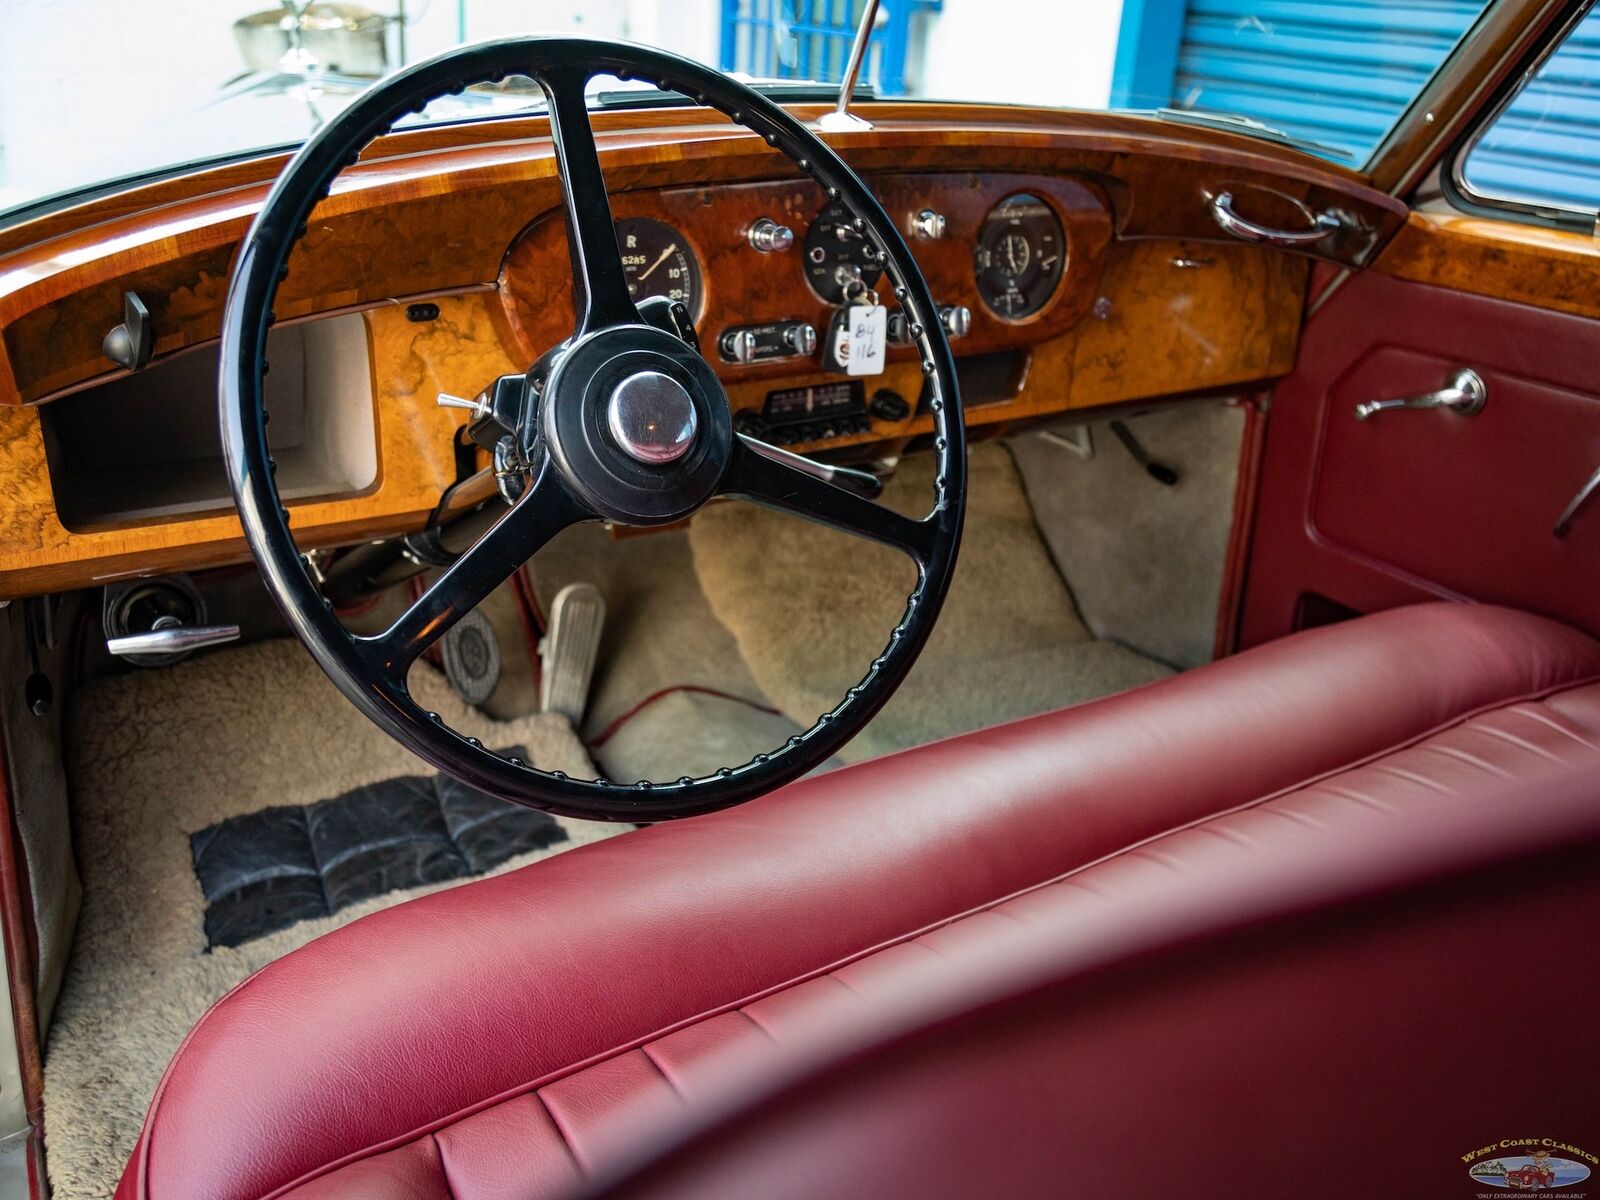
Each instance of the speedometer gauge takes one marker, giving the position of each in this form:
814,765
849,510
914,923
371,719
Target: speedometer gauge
1020,258
657,260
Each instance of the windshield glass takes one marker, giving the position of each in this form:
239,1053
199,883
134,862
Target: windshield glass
96,90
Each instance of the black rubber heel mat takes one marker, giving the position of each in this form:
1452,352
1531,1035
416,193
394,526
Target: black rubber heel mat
268,870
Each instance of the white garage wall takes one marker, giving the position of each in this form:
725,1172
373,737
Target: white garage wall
86,85
1057,52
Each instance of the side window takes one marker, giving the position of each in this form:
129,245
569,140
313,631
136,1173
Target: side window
1541,152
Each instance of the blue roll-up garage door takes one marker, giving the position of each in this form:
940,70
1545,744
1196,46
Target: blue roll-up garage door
1339,72
1546,146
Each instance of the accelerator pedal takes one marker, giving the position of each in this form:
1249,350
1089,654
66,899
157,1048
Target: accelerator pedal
568,651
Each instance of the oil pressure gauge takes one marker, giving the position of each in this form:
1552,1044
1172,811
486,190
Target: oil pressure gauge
1020,258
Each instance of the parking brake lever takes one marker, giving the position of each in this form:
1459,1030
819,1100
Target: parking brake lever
862,483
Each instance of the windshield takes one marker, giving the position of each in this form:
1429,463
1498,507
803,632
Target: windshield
95,90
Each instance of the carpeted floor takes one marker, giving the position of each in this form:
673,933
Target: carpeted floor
154,756
810,607
1144,561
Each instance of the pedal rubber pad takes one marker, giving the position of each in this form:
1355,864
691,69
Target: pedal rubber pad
568,651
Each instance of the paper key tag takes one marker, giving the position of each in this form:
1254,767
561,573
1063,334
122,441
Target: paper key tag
869,335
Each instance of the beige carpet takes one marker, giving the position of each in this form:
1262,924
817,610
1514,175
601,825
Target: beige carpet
810,608
1144,561
660,634
153,756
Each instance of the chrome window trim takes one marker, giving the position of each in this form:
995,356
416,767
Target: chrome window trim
1452,179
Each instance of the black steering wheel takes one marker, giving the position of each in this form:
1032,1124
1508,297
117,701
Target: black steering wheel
624,422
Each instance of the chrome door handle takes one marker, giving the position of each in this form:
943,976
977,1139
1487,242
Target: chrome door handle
172,639
1464,393
1323,224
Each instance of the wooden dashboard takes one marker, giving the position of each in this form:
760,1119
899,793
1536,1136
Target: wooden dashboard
446,245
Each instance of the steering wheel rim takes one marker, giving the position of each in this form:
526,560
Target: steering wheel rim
371,672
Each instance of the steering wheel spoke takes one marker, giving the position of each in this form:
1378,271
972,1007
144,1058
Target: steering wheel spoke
775,478
600,285
543,510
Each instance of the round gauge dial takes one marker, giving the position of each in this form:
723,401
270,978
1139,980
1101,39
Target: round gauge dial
1021,257
658,262
836,255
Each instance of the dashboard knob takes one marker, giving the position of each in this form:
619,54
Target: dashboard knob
739,345
928,225
766,235
957,319
801,338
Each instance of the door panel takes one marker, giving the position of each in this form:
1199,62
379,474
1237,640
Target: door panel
1410,505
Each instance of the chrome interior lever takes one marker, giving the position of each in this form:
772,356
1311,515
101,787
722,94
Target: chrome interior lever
1585,494
172,639
862,483
1464,393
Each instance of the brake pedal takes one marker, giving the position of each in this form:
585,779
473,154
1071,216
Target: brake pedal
568,651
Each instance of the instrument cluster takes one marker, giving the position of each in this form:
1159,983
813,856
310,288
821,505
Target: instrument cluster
1019,258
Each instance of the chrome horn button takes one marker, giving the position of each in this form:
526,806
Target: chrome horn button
653,417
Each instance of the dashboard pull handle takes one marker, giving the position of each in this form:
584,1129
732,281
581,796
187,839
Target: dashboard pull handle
1323,224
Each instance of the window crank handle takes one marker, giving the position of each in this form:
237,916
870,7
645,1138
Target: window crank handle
1464,393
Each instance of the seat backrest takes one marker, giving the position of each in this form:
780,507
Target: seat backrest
1350,989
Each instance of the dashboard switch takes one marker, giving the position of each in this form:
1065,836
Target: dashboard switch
928,225
769,342
739,345
957,319
801,338
767,236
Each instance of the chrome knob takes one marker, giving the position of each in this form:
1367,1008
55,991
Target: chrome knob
653,418
767,236
956,319
928,225
739,346
801,338
478,408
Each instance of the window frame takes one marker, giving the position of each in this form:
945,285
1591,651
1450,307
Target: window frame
1452,177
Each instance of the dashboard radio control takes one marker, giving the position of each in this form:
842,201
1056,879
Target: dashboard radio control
767,236
927,225
768,343
956,318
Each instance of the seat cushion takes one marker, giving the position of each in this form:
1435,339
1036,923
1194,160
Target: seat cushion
510,1036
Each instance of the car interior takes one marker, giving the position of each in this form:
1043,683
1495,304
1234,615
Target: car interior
737,642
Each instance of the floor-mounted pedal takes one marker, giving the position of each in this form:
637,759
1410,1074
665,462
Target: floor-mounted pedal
471,653
567,653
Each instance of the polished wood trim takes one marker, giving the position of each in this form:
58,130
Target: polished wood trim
412,363
441,216
1167,330
1508,260
1504,36
1138,132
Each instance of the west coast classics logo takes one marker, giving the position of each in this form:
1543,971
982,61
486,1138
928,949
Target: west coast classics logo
1541,1165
